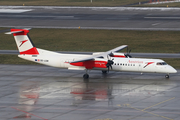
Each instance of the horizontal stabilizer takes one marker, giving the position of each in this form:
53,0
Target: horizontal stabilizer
13,32
18,31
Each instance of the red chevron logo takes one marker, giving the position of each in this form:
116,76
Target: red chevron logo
148,64
22,42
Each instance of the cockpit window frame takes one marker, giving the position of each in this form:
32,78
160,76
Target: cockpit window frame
161,63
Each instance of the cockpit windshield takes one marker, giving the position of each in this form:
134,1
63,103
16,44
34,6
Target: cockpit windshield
161,63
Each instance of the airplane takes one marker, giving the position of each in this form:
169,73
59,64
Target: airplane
107,61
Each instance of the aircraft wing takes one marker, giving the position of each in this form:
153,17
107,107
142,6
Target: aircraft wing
102,55
117,49
87,59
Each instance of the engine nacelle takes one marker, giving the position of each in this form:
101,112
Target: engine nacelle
121,55
97,63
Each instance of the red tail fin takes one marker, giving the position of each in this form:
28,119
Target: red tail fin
23,41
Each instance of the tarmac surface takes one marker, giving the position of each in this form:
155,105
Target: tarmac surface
121,18
36,92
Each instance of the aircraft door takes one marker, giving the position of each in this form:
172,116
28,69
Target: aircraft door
66,63
62,64
140,67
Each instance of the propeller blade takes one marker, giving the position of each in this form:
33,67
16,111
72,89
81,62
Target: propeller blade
128,53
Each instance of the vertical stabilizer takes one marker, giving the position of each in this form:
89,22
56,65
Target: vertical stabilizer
23,42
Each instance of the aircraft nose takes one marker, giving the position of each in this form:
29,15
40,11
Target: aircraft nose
172,70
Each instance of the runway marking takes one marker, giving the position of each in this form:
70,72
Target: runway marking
123,105
35,16
151,113
162,18
29,113
14,10
158,103
105,119
96,28
155,24
97,8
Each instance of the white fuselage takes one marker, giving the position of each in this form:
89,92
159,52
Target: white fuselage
120,64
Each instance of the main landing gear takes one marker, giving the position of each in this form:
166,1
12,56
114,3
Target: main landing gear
104,71
86,76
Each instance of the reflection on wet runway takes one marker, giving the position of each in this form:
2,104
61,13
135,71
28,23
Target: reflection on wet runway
40,92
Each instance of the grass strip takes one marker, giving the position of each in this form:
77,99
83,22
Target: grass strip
14,59
69,2
99,40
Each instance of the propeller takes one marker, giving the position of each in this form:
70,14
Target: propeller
109,63
128,53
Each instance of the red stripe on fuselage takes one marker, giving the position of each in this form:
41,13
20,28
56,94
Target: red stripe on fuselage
32,51
91,64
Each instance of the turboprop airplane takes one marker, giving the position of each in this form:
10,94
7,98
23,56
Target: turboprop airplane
104,61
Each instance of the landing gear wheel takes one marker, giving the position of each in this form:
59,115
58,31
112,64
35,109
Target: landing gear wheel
104,71
85,76
166,76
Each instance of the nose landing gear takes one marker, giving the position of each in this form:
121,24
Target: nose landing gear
167,76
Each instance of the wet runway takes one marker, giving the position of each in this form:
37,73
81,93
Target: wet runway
38,92
120,18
